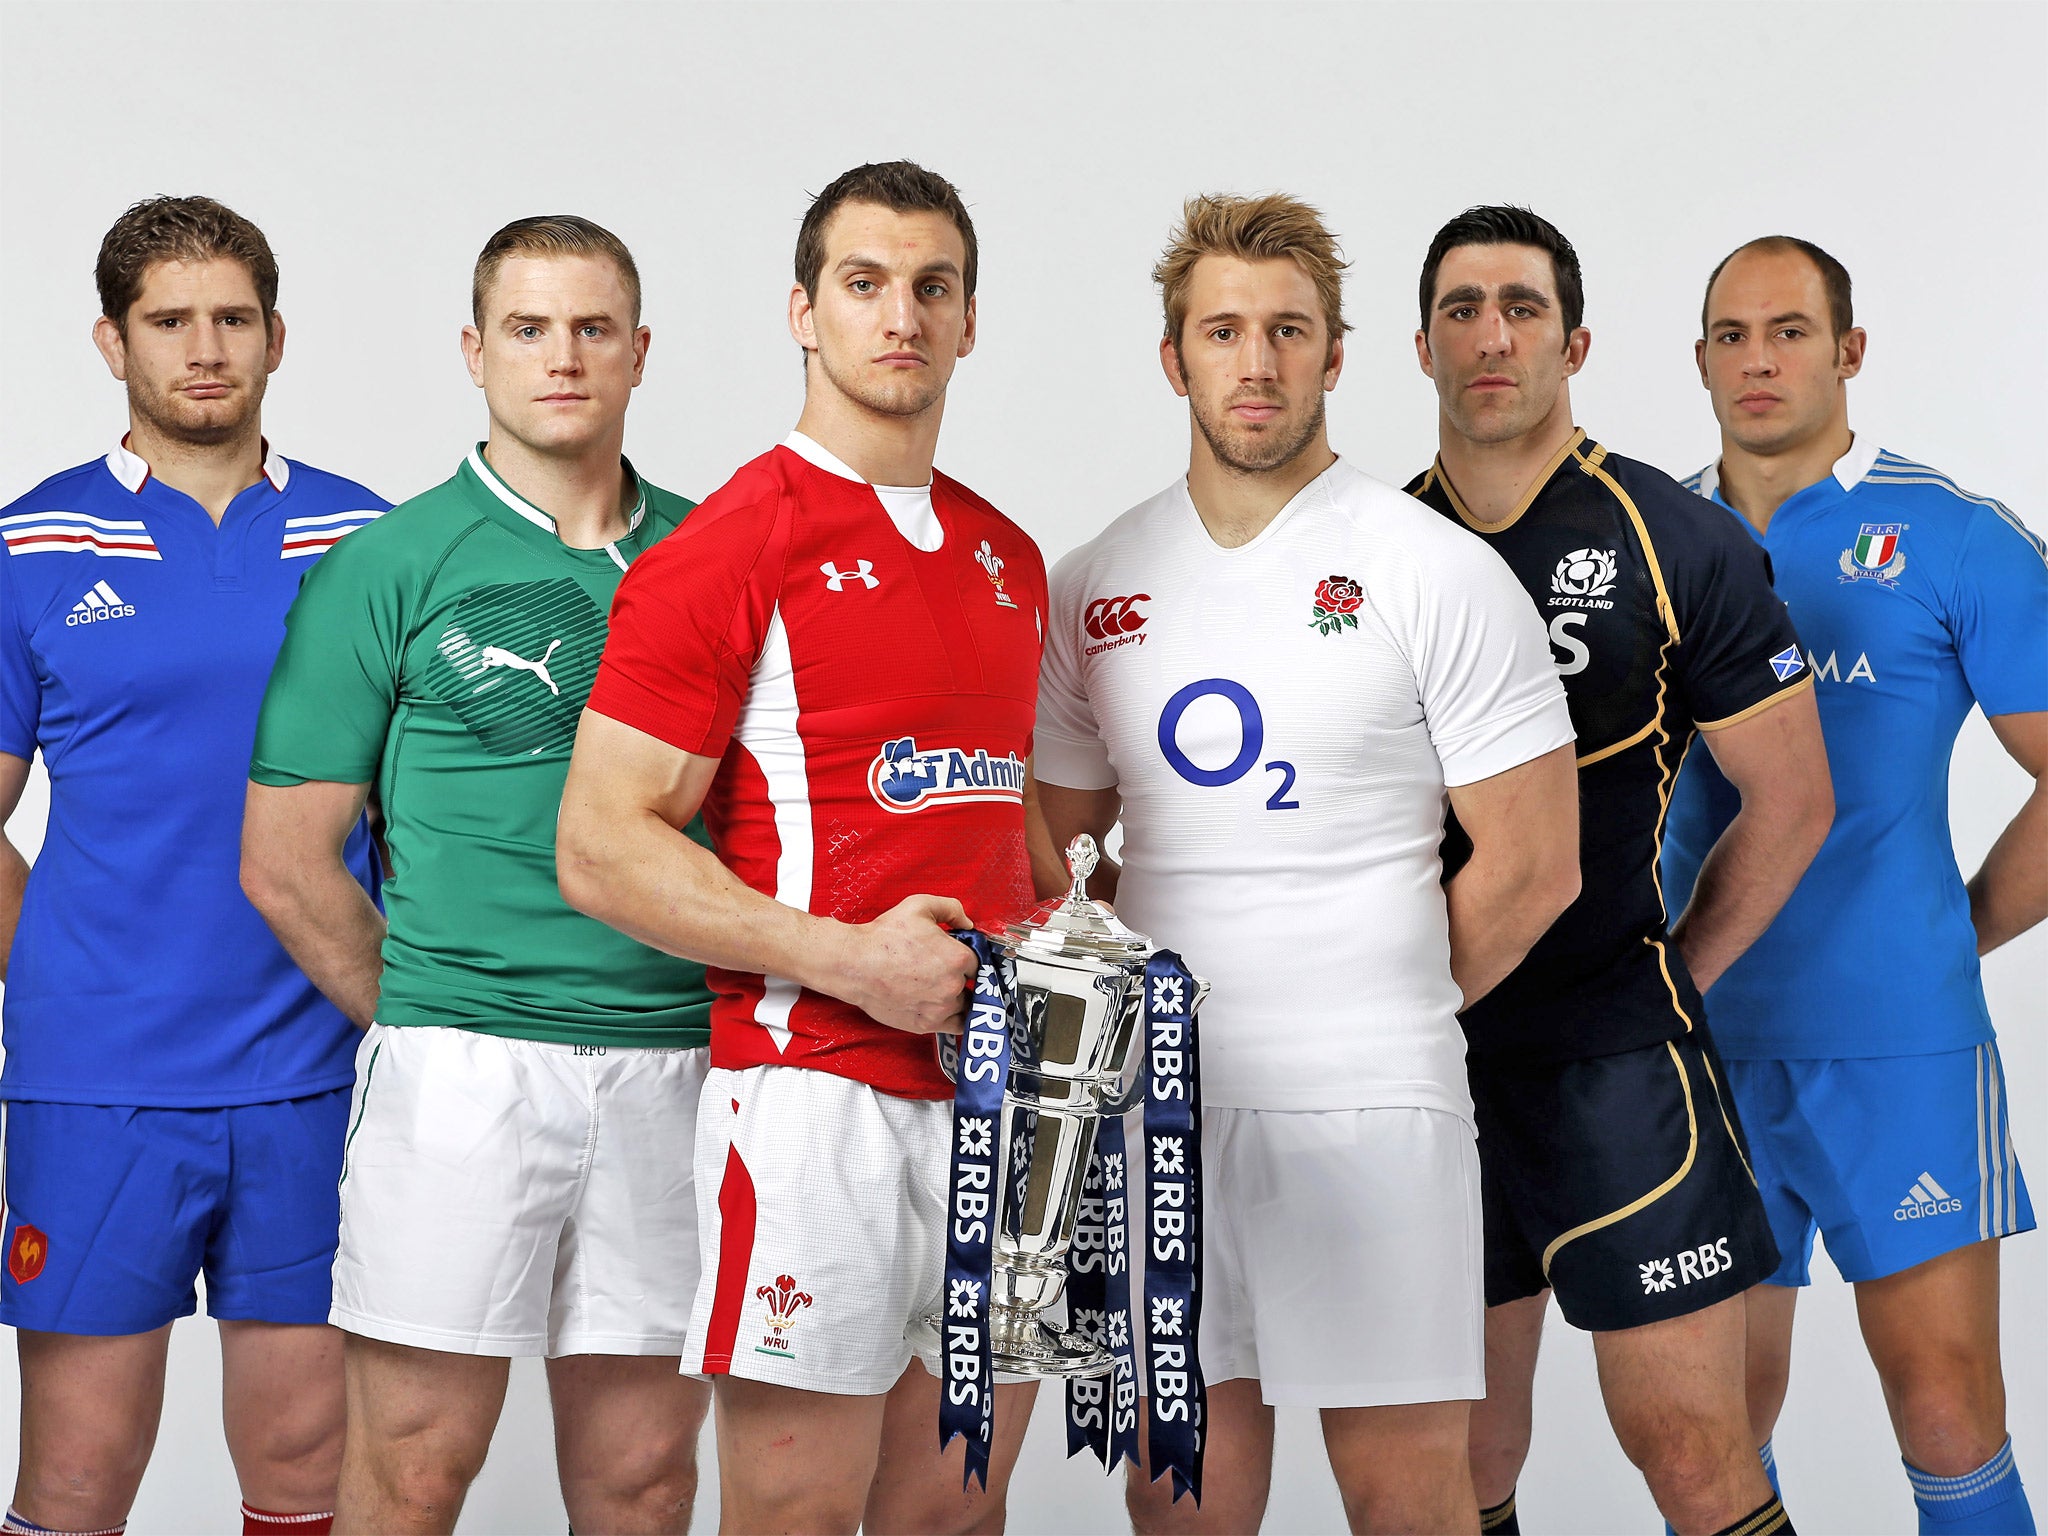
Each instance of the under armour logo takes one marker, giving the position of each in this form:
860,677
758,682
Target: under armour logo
498,656
837,579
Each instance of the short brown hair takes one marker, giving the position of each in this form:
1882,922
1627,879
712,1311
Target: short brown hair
551,234
179,229
1834,277
1251,229
902,186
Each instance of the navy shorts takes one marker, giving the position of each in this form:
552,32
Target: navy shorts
113,1212
1893,1160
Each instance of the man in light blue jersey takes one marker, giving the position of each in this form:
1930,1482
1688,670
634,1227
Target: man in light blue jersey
176,1090
1856,1033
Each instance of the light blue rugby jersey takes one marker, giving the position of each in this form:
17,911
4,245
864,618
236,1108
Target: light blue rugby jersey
1915,599
135,641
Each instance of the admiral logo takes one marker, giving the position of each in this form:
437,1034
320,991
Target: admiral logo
784,1302
1701,1263
903,779
1583,579
1926,1198
1114,621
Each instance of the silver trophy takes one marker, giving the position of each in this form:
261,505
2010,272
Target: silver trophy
1076,1055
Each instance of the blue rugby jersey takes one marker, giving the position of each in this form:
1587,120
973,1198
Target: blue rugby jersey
1915,599
135,642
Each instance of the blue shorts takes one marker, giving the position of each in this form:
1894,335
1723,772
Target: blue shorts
112,1212
1893,1159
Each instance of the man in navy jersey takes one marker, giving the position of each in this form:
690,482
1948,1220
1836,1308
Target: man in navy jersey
1858,1041
175,1089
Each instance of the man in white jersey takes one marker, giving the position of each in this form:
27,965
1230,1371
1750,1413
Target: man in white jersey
1279,672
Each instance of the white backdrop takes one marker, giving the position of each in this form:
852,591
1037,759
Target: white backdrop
378,144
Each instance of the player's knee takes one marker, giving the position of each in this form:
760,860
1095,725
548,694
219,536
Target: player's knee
653,1474
1152,1509
1951,1420
84,1485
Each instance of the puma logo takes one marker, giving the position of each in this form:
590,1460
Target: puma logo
498,656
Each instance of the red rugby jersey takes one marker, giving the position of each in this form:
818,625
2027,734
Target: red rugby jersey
871,706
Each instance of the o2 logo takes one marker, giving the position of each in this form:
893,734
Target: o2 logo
1251,741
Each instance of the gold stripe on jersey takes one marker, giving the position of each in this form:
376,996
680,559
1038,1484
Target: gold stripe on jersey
1620,746
1758,707
1642,1202
1721,1100
1437,475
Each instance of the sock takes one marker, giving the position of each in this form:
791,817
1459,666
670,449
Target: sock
265,1522
1767,1519
1500,1519
18,1524
1769,1458
1986,1502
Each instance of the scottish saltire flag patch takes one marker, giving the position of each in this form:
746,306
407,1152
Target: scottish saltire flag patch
1787,661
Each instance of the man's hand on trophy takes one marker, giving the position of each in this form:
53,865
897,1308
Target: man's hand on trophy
906,970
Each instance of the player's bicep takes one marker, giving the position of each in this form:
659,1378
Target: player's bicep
1777,754
2025,739
287,825
13,780
1523,821
620,770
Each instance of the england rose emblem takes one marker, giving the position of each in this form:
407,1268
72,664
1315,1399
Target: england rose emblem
1337,599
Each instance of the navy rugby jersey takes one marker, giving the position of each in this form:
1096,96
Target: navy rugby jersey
1916,600
135,641
1662,622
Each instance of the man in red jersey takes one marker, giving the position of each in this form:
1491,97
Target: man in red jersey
838,662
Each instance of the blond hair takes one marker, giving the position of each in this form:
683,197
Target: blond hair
558,234
1251,229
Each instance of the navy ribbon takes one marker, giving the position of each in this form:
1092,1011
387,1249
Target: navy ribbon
967,1400
1178,1401
1102,1413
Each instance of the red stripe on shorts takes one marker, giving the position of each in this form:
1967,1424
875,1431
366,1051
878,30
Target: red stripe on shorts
735,1255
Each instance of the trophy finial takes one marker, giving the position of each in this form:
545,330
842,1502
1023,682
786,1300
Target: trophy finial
1081,862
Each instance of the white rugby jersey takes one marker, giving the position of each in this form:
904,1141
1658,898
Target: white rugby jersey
1282,720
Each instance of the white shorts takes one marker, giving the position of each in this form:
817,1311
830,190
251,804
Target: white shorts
1341,1257
518,1197
822,1208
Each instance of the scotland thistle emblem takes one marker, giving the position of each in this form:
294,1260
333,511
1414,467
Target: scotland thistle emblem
1337,599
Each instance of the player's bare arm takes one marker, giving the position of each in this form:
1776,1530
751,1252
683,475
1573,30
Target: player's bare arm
293,872
1524,870
622,858
1054,816
2009,893
13,867
1779,765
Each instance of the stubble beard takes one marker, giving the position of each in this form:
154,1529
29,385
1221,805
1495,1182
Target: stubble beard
911,396
1246,452
177,420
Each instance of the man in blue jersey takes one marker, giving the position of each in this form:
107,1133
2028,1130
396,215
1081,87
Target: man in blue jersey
175,1089
1855,1030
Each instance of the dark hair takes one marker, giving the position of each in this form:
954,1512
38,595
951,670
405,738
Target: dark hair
179,229
1506,225
1834,277
551,234
900,185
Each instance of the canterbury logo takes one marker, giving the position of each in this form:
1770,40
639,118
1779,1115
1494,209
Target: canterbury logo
498,656
837,579
1108,617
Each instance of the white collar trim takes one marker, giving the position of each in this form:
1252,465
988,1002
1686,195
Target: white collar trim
1849,469
813,452
132,470
526,509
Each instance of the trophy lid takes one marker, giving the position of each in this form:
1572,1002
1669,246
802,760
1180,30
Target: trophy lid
1075,924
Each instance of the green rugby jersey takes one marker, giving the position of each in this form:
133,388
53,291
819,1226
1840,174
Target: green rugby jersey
444,654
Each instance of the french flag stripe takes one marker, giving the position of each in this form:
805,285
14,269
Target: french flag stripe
63,539
328,520
78,519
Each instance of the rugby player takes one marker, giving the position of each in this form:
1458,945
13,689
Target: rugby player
518,1170
1278,672
176,1088
837,659
1871,1083
1614,1165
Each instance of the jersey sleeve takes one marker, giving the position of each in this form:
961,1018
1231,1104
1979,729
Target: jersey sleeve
21,689
1998,613
1737,650
1067,745
689,622
1490,693
335,685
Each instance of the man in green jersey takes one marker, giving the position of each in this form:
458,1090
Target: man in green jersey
518,1172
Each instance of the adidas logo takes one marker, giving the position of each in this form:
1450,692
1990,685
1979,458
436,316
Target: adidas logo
1926,1198
102,602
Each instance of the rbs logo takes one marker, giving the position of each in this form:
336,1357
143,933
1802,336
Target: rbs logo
1701,1263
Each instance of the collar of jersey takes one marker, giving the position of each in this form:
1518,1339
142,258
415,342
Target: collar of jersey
481,468
132,470
1543,478
815,453
1849,471
1259,540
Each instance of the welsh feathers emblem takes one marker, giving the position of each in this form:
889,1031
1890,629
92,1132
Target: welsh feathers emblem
992,563
1332,609
784,1301
1875,556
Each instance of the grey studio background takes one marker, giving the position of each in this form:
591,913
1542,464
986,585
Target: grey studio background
378,144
